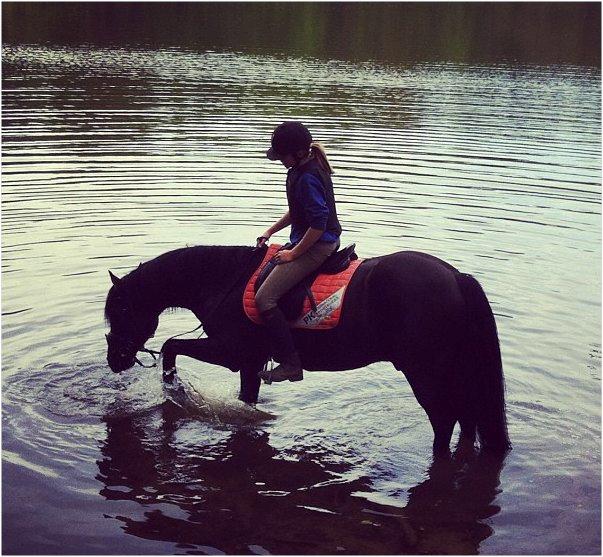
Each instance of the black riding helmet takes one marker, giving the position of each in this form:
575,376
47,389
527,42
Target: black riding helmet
287,139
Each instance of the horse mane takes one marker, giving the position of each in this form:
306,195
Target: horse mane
188,262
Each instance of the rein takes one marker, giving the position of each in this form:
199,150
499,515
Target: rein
153,353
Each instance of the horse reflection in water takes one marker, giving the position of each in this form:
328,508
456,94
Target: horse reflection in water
238,495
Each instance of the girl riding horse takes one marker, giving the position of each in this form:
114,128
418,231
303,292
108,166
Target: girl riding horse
315,232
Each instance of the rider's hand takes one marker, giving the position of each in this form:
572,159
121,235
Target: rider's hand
284,256
261,241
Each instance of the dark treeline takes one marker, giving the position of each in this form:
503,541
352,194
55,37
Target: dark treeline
541,33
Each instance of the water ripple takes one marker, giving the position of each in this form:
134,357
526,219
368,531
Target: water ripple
112,156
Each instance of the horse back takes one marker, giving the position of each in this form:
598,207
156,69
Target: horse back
388,300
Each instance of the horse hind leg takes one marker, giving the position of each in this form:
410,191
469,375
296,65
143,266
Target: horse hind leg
466,407
443,427
468,430
432,394
425,346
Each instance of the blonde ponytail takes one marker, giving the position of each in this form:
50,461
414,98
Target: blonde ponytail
318,151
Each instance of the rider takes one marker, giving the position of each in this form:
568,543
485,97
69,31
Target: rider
315,232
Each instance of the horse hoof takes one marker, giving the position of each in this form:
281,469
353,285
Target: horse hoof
169,376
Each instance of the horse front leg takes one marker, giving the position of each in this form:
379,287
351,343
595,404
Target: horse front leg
216,351
250,380
210,350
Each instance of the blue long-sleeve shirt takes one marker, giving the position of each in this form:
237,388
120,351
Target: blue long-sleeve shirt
310,195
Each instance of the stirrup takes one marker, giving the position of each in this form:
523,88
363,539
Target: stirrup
266,374
267,378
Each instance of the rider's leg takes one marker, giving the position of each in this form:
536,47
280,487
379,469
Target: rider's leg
281,280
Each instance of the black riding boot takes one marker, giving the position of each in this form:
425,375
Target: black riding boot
283,349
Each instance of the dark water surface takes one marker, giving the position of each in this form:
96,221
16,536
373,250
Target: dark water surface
112,156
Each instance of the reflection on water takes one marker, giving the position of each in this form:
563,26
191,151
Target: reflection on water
113,155
236,494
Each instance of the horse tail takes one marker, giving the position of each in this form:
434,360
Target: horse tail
482,354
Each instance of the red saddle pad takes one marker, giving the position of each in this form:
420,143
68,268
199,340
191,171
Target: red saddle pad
328,291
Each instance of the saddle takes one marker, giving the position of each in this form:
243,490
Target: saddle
316,301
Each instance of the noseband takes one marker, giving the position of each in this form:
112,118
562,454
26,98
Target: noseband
129,345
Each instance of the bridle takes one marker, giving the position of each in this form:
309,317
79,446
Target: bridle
128,344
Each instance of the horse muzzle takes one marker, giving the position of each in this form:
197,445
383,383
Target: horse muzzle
119,365
119,357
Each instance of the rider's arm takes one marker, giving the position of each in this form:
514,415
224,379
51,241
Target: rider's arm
281,223
310,238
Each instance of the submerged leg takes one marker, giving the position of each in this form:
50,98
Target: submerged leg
433,394
250,380
443,426
468,430
429,360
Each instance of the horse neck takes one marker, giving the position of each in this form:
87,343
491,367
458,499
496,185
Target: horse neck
191,278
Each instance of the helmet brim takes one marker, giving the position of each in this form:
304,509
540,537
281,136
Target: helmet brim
271,154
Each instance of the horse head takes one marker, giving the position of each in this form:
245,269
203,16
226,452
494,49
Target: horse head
131,324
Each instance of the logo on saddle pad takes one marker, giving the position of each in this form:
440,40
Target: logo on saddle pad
323,311
328,291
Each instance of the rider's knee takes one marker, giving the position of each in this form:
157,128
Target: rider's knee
264,301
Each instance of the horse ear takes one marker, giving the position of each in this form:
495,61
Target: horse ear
115,280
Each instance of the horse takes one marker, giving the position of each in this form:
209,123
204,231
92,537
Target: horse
428,319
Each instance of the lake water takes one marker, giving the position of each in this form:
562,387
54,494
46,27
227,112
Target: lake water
113,155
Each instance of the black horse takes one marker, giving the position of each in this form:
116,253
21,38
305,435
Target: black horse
409,308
